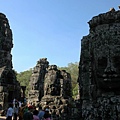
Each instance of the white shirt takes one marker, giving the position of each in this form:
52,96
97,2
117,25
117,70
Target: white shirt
20,104
15,110
14,102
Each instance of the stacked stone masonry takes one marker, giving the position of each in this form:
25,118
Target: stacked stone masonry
9,86
99,69
99,74
52,88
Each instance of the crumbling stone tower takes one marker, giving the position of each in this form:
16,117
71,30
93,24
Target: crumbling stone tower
99,69
37,81
57,93
9,87
51,88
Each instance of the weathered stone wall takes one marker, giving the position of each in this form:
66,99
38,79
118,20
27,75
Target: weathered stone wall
51,87
9,86
37,81
99,69
5,42
58,93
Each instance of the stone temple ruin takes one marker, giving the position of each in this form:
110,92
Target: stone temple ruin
57,92
99,74
99,69
51,87
9,86
37,81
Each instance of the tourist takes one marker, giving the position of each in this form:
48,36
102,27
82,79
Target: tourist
9,112
14,102
41,113
19,103
25,109
21,112
35,115
34,106
47,115
28,115
15,112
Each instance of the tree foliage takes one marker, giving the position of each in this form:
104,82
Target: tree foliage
72,68
24,77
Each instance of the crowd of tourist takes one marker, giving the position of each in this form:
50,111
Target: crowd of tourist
18,111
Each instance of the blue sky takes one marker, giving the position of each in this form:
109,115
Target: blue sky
50,29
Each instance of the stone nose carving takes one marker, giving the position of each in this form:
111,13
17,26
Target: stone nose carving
110,71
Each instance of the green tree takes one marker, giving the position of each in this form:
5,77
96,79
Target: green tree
24,77
72,68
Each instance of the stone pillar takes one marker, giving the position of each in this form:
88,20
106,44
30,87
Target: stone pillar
99,69
57,93
7,74
37,81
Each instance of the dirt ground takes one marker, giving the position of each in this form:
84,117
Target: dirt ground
2,117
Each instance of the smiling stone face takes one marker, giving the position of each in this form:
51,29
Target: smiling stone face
108,71
107,59
99,69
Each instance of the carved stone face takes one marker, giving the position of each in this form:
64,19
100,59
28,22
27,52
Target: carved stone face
107,65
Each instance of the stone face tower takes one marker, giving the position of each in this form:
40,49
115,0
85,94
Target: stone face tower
51,88
99,69
37,81
9,87
5,42
57,93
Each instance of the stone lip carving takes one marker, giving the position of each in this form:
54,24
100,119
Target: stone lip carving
99,69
